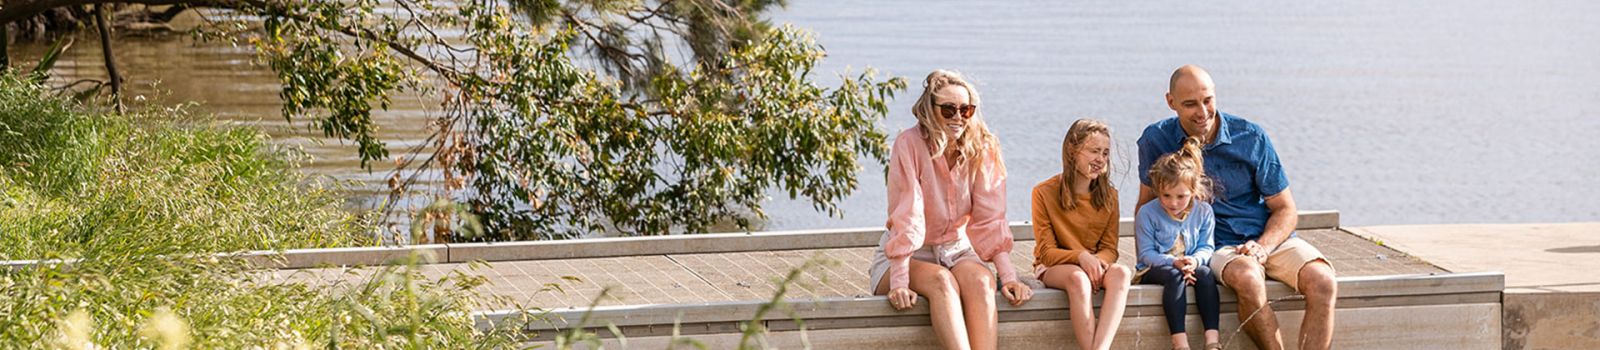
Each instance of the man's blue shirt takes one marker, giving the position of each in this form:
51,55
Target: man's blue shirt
1243,167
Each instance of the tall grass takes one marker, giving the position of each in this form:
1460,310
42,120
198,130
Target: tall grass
78,184
129,197
219,304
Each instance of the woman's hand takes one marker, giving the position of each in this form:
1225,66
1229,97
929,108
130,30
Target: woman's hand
1016,292
1093,267
902,298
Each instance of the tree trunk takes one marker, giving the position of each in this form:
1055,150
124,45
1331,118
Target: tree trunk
111,62
5,47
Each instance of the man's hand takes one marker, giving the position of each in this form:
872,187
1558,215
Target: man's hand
1254,250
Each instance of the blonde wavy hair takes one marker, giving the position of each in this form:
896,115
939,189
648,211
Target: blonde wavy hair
1186,166
974,147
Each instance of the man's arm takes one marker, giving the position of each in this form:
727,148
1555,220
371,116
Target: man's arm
1281,222
1145,195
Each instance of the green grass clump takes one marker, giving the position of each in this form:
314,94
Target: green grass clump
76,184
139,203
204,302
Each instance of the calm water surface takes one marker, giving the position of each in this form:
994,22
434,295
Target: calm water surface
1391,112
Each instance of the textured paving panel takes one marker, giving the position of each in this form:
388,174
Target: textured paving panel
702,278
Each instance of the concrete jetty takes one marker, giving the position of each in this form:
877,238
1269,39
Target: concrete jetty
1435,286
1552,295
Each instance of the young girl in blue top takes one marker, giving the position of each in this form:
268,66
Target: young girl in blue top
1174,241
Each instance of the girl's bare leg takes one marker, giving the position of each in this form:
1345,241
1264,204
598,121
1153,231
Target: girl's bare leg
1180,340
1115,302
1075,282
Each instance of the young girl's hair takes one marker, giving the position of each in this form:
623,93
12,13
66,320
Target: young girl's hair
1184,167
975,147
1099,188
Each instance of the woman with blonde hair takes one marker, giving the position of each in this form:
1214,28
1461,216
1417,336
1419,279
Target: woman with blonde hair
1075,224
947,215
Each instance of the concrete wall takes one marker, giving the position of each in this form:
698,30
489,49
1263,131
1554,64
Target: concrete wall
1431,311
1458,326
1552,321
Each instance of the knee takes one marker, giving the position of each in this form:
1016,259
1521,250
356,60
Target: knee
1244,274
1166,275
1119,273
1247,281
1078,281
976,281
1203,274
1317,282
942,283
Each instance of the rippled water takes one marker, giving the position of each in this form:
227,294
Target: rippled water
1391,112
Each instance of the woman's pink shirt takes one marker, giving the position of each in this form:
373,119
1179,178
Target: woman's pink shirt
932,204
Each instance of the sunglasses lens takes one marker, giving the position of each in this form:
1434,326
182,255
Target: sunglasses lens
951,111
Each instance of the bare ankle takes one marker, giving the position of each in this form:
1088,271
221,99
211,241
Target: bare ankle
1180,341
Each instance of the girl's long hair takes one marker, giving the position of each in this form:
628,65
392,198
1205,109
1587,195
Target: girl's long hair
1099,188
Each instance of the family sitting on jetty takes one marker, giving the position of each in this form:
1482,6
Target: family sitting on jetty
1214,208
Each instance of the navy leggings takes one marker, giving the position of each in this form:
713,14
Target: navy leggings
1173,298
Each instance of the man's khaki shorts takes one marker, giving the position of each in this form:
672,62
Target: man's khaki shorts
1283,264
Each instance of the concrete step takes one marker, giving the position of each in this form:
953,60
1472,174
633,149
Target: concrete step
1396,311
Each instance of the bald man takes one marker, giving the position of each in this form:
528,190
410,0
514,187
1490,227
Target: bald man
1254,208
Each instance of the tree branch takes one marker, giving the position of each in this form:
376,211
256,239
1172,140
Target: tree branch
16,10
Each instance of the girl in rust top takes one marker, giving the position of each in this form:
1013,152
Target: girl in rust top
1075,227
947,215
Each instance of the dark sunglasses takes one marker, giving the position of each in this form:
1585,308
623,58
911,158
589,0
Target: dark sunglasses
949,111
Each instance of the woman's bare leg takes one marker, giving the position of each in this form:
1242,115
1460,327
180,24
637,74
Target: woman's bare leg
938,285
1071,278
977,287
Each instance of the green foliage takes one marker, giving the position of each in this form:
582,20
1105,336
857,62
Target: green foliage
543,146
76,184
137,202
221,304
322,76
41,72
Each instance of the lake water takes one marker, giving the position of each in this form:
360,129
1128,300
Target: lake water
1390,112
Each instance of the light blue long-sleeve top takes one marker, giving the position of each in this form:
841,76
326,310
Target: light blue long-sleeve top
1156,231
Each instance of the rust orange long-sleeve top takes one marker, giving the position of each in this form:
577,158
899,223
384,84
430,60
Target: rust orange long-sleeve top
932,204
1061,234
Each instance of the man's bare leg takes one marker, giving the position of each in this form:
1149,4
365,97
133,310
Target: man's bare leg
1247,279
1322,292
